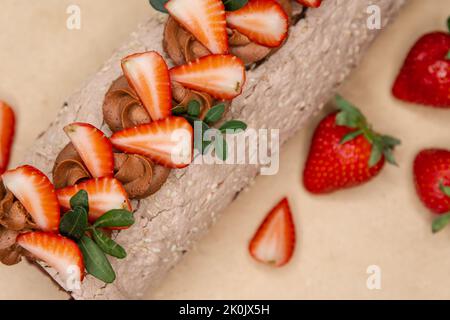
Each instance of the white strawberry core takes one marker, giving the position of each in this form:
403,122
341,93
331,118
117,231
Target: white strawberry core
271,246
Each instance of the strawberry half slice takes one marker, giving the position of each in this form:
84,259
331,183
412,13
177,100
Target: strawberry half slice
310,3
7,128
205,19
262,21
222,76
37,194
104,194
274,242
93,147
148,74
60,253
168,142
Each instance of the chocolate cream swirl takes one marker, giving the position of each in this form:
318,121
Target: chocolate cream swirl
139,175
14,219
182,47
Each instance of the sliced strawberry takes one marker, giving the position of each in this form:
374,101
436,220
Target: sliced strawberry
310,3
168,142
205,19
148,75
36,193
222,76
262,21
7,128
104,194
93,147
274,242
58,252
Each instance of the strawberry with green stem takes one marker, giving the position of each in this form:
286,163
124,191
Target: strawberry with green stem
442,221
346,151
432,180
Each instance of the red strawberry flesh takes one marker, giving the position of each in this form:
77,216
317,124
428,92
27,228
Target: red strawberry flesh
222,76
274,242
57,251
431,170
37,194
104,194
205,19
168,142
93,147
262,21
425,76
148,74
7,130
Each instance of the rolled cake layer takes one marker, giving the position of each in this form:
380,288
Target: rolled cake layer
282,93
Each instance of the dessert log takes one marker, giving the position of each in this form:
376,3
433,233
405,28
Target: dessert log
284,88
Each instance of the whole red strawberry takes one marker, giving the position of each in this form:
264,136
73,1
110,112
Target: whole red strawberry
345,151
432,180
425,75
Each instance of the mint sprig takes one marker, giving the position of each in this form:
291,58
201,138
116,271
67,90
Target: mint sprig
214,115
95,260
382,145
74,224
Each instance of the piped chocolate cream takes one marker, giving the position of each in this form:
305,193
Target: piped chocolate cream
139,175
122,109
182,47
14,219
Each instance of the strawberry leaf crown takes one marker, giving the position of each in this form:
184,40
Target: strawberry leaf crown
350,116
442,221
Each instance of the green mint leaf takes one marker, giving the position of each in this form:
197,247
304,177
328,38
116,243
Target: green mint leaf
178,110
440,223
80,200
232,5
108,245
444,189
233,125
221,148
194,108
95,260
199,134
350,136
117,218
205,147
215,113
159,5
74,223
376,154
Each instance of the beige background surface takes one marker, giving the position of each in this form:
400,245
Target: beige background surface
339,236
